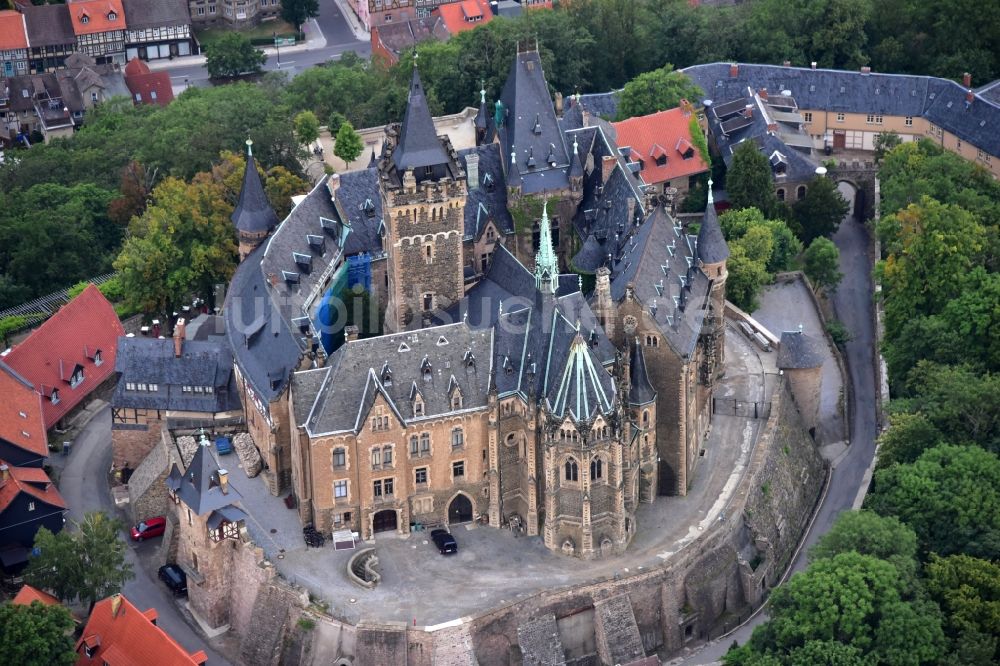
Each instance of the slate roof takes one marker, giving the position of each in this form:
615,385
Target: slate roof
641,392
70,338
18,396
603,105
857,92
152,361
581,387
530,128
156,13
712,246
431,362
359,206
990,92
798,350
264,346
130,636
419,145
659,261
253,213
198,488
487,199
48,25
32,481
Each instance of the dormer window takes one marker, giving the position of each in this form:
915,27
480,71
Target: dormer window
54,398
418,406
76,378
426,370
84,19
386,375
112,16
98,358
470,359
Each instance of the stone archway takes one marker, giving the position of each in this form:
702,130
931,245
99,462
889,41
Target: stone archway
385,521
854,195
460,509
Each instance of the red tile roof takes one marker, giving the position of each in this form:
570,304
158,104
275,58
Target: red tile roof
91,16
27,594
120,634
13,31
663,133
465,15
21,421
32,481
151,87
84,330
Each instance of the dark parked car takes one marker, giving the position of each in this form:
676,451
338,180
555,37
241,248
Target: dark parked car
151,527
175,578
445,542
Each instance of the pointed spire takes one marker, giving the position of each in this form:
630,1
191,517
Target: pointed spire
712,247
419,145
253,213
641,391
482,93
711,199
546,264
374,160
575,145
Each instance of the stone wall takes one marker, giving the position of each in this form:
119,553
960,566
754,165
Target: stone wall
147,489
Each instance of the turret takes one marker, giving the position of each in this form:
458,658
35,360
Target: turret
253,217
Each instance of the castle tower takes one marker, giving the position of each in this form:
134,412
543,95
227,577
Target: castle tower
712,255
253,217
603,305
424,189
800,357
642,404
208,523
484,130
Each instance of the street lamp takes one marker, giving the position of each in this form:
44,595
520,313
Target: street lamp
277,49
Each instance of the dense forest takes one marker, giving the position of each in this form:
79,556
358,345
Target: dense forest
914,578
65,207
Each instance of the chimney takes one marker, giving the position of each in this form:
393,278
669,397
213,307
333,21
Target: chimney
969,97
607,167
4,473
179,337
813,64
786,63
734,70
966,80
272,279
772,128
686,107
472,170
866,70
748,111
116,604
332,185
630,203
763,94
351,333
559,104
223,481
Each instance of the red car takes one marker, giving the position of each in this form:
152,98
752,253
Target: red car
151,527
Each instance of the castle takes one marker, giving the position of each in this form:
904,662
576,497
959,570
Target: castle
500,392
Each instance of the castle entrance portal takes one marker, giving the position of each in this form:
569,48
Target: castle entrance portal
385,520
460,509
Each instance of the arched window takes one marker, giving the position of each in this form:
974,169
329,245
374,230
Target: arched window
596,468
800,194
572,470
645,417
781,194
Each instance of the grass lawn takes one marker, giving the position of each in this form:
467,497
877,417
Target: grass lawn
263,31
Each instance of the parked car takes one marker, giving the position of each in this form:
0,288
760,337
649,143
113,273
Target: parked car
151,527
445,542
223,445
175,578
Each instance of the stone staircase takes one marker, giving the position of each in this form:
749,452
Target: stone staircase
618,639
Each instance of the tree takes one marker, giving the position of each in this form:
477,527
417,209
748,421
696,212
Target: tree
958,401
180,246
821,263
748,180
306,127
746,277
87,564
968,590
36,635
884,143
298,12
858,601
950,497
658,90
233,55
907,436
868,533
348,144
820,211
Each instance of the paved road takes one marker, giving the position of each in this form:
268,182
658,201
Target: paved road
853,305
83,483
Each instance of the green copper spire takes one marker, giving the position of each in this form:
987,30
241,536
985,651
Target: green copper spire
546,265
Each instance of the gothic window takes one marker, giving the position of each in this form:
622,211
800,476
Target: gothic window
425,443
414,445
387,456
376,458
800,194
339,458
781,194
596,469
572,470
645,418
457,438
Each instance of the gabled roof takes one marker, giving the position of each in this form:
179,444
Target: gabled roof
148,87
487,198
465,15
253,213
71,337
419,145
48,25
13,31
93,16
121,635
156,13
669,131
21,421
33,482
28,594
199,488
